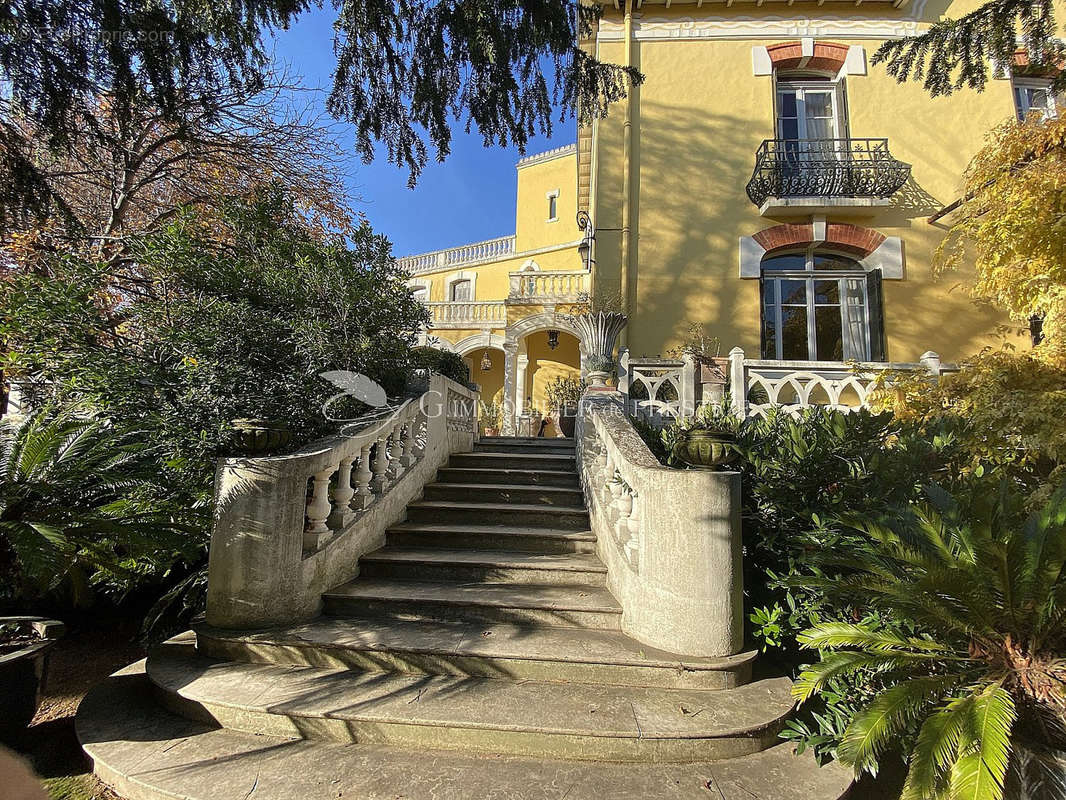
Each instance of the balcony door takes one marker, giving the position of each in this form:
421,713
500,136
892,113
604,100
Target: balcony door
809,110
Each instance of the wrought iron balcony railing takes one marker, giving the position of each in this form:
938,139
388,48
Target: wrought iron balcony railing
834,168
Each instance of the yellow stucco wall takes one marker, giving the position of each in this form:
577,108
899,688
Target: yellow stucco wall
697,123
533,230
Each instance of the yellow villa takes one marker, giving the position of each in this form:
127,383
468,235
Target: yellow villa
766,181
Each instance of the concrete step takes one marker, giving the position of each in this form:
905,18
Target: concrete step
527,515
516,445
525,718
516,652
521,461
505,493
146,753
520,604
497,477
490,537
490,566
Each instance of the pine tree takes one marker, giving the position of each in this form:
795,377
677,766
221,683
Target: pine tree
963,52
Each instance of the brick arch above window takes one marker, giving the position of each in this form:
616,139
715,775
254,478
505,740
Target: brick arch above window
842,236
872,248
824,56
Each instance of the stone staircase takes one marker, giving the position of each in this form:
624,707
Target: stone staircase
478,654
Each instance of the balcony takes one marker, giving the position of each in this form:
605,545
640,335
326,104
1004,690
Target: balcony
548,287
467,314
824,175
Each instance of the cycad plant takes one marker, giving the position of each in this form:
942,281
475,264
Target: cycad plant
77,498
971,679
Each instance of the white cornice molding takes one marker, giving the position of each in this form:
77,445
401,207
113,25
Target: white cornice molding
687,28
549,155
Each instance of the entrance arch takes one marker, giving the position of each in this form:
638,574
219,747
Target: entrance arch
517,360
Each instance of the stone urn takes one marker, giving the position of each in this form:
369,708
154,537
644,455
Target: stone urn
254,437
598,378
707,449
599,331
23,668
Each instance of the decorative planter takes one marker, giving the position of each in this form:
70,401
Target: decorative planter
492,432
257,436
567,422
598,378
713,370
707,449
22,676
599,331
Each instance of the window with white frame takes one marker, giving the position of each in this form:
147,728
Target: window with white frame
461,290
820,306
553,205
1034,95
420,293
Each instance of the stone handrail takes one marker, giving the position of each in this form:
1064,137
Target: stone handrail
548,285
670,538
475,253
467,313
288,528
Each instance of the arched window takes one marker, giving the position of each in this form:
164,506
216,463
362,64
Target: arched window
820,306
461,290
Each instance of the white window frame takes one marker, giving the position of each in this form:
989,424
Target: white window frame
809,274
1050,111
800,85
422,284
455,278
553,200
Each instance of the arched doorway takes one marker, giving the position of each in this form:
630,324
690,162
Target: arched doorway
539,349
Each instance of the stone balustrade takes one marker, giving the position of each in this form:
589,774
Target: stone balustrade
464,255
468,314
288,528
670,538
549,286
660,389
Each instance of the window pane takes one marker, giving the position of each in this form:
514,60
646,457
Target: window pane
828,261
828,333
788,104
769,332
790,129
794,333
827,292
856,320
794,292
769,292
818,105
794,262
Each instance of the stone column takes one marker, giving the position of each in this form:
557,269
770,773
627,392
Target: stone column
510,367
520,384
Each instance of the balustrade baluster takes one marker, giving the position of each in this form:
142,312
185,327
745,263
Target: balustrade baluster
396,468
363,496
318,510
342,496
380,482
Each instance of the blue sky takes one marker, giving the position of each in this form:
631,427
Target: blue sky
469,197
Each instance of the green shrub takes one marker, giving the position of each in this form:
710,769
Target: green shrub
443,362
563,392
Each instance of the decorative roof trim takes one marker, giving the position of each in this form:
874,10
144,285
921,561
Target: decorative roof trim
547,155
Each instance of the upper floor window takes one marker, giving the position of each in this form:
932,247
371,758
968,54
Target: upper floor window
553,206
420,294
461,290
810,109
1034,95
820,306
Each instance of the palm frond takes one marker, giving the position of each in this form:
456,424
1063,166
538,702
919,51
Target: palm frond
979,772
831,635
936,749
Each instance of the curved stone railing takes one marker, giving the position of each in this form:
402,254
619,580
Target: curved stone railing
475,253
670,538
288,528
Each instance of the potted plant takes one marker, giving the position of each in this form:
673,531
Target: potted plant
707,440
564,395
706,349
491,415
252,436
600,368
24,646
